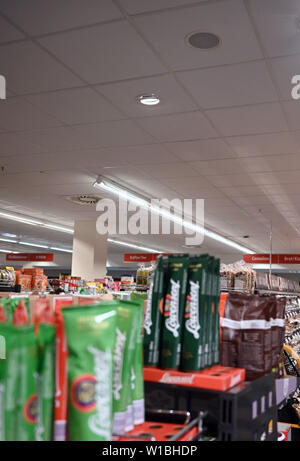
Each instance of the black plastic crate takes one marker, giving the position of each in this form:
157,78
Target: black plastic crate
247,411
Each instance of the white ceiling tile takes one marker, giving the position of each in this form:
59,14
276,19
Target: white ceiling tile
104,53
119,156
276,21
167,170
18,143
53,139
16,114
249,119
205,149
8,32
39,162
242,191
114,133
187,183
178,127
281,177
142,6
125,96
271,163
217,167
48,177
231,180
29,69
281,189
264,144
283,69
238,84
228,20
37,17
80,105
292,110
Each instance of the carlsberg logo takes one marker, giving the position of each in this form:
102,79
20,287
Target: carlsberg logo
192,324
100,423
148,315
118,363
172,323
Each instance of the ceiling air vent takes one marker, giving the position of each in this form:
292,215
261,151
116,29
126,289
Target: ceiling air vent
88,200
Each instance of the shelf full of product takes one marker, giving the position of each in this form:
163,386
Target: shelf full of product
241,277
158,357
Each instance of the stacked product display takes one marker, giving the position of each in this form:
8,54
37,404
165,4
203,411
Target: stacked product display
71,372
181,328
241,277
253,328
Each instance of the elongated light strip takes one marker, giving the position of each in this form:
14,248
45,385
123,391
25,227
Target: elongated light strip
59,228
131,245
34,222
8,240
24,220
61,249
144,203
33,245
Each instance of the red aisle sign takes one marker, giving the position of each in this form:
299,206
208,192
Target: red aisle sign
29,257
141,257
276,259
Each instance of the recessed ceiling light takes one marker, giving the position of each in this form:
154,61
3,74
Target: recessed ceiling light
203,40
149,99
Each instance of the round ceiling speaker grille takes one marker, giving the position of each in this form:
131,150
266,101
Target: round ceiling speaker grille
203,40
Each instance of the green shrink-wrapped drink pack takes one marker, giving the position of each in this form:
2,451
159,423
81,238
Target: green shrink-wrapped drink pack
126,335
192,357
45,377
174,305
154,314
90,332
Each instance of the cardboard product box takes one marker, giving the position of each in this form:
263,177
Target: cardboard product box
39,282
34,271
25,281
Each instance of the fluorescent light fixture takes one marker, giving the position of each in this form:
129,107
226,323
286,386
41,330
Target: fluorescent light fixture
122,193
61,249
59,228
33,222
5,251
6,234
33,245
8,240
131,245
114,189
148,99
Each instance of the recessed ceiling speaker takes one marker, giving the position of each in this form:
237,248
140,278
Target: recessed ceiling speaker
203,40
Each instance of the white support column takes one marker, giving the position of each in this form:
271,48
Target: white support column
89,251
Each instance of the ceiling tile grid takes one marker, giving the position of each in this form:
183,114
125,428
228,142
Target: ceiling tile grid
225,130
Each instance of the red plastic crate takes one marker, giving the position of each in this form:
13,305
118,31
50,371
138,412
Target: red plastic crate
161,432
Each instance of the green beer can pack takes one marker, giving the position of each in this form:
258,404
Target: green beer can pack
154,315
126,335
90,332
216,317
174,311
45,380
192,357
